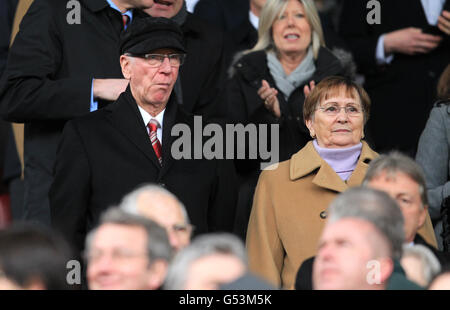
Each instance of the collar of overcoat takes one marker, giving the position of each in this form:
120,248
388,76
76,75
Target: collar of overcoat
126,118
307,161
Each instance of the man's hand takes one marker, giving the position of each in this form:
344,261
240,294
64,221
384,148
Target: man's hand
109,89
444,22
269,95
410,41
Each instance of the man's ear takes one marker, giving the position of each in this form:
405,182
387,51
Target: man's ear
157,274
423,217
387,268
125,64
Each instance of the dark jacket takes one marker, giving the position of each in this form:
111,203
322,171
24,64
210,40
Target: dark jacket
232,17
106,154
402,92
48,80
245,106
203,73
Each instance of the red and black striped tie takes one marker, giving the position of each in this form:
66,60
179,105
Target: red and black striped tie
153,125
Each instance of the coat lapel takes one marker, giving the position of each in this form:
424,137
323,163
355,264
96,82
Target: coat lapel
169,121
125,117
367,155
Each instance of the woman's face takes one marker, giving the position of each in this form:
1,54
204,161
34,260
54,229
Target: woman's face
338,130
291,31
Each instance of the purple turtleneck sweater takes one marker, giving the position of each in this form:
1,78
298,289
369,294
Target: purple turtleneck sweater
343,161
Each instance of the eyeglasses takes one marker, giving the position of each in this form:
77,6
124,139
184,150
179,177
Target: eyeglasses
156,60
182,228
333,110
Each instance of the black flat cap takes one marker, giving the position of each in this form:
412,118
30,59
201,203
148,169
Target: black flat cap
147,34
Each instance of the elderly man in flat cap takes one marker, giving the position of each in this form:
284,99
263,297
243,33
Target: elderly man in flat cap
108,153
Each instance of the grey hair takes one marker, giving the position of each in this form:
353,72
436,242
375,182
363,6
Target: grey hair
158,246
205,245
373,206
393,163
430,264
272,10
129,201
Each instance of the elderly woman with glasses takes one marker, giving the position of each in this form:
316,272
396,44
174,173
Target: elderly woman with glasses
268,83
291,199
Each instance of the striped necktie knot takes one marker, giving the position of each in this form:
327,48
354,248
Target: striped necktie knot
153,126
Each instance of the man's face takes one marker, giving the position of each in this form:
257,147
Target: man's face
118,259
343,254
150,85
407,194
166,212
165,8
210,272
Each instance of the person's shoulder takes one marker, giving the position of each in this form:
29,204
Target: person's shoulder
277,171
252,57
51,6
92,118
442,107
198,25
328,62
248,63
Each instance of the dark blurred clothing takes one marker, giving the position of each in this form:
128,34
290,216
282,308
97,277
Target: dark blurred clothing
203,73
7,10
232,17
48,80
106,154
403,91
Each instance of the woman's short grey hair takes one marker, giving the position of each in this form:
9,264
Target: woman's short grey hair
395,162
375,207
430,264
130,201
272,10
205,245
158,245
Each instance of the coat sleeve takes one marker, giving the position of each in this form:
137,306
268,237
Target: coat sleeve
30,89
264,247
222,206
433,156
70,191
358,34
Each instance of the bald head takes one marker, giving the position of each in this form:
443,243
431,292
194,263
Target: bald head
163,207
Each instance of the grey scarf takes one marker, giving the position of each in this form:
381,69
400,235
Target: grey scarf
302,74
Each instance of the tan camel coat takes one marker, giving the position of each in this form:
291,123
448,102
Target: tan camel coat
287,216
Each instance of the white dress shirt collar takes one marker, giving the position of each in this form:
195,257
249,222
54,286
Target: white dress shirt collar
147,117
433,9
254,20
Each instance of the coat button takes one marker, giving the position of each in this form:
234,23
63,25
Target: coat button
323,214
